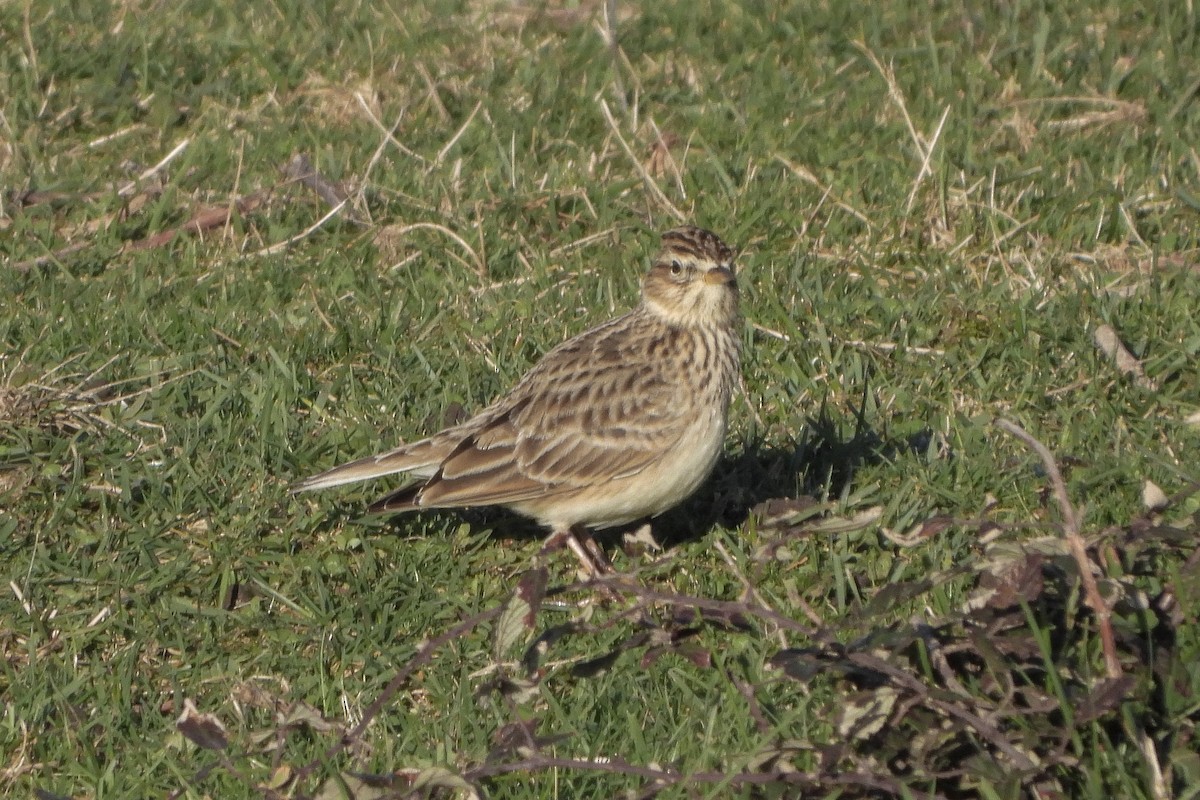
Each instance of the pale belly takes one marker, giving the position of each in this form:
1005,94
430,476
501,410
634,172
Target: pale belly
661,486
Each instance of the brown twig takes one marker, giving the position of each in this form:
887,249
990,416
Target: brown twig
299,169
1076,545
726,607
205,220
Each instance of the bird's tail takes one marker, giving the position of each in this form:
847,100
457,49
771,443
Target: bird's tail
418,459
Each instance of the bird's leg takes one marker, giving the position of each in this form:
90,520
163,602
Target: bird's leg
597,557
584,547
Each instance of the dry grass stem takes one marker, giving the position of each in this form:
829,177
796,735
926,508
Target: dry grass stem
651,186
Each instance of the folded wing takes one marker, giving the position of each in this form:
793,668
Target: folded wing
601,414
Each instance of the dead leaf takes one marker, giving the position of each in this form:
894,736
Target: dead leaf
1108,342
1153,498
202,730
640,542
520,614
863,714
1104,697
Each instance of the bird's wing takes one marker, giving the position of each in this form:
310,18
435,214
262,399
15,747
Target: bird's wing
592,411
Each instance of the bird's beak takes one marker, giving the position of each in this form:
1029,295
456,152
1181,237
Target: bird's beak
719,276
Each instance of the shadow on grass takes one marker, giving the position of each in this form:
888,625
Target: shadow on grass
822,463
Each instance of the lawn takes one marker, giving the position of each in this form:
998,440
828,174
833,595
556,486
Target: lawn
953,546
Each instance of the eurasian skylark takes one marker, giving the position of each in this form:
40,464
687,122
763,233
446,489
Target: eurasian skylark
621,422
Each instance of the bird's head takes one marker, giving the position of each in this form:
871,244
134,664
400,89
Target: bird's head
692,281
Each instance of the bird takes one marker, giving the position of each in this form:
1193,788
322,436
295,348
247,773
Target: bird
618,424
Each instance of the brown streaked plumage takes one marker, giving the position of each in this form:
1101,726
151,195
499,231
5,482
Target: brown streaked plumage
621,422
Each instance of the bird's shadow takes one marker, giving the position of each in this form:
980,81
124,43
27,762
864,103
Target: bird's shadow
821,461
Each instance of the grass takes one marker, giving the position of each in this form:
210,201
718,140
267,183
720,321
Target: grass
935,209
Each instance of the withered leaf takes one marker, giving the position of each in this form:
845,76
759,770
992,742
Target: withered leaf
202,730
518,690
1104,697
520,614
364,786
532,659
693,652
640,542
356,786
303,715
863,714
520,739
724,620
1017,581
596,666
892,595
778,512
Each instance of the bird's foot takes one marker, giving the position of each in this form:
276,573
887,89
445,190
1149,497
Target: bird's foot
592,560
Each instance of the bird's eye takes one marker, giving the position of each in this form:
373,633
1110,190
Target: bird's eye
676,268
